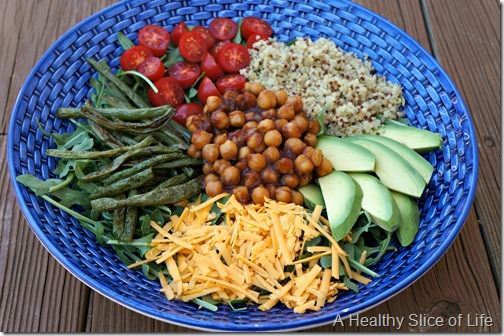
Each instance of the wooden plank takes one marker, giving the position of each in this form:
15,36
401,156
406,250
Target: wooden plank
466,36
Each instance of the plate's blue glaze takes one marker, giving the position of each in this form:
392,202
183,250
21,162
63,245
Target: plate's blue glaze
432,102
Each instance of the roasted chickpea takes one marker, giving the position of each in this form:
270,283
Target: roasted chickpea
220,165
266,100
280,123
192,151
250,116
207,168
211,178
249,125
296,102
283,194
266,125
271,189
261,148
305,179
255,140
273,138
230,95
243,152
236,118
210,152
290,180
191,124
269,114
269,175
285,165
241,194
291,130
254,88
251,179
213,103
272,154
315,155
238,137
220,119
200,138
228,150
301,122
303,164
325,168
313,126
231,175
242,164
259,194
214,188
297,197
295,145
310,139
256,162
245,101
219,139
281,97
286,112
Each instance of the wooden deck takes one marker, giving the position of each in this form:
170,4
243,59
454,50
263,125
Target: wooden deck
38,295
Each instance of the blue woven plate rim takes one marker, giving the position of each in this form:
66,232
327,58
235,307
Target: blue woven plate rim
193,322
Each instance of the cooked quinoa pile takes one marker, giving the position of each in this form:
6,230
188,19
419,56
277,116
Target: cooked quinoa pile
353,99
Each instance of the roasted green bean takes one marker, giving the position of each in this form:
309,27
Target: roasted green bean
125,114
130,221
118,219
126,184
179,163
104,136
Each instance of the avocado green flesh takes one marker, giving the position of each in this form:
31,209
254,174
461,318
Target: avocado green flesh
410,218
312,195
343,198
414,138
421,165
344,155
377,201
394,172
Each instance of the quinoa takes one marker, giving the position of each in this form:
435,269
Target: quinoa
344,88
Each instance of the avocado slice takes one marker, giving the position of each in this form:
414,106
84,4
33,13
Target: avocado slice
378,202
342,197
410,218
415,138
394,171
312,195
344,155
421,165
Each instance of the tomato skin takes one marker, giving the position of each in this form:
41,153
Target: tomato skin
223,28
185,111
206,89
253,39
254,25
232,57
185,73
169,93
218,46
152,68
231,82
154,37
133,57
206,35
177,33
210,67
192,46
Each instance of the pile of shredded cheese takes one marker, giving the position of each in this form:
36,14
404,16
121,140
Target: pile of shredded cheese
248,252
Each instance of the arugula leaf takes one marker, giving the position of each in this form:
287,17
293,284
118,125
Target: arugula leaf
291,42
218,211
145,227
203,304
321,120
69,197
124,41
325,261
238,38
173,57
38,186
351,285
313,242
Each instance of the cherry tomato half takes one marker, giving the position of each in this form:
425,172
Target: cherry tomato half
206,89
231,82
210,67
133,57
218,46
177,33
253,39
155,38
192,46
185,73
223,29
233,57
185,111
169,93
254,25
206,35
152,68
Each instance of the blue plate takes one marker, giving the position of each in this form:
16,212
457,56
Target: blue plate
61,78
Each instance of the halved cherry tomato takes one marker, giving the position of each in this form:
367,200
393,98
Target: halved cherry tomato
192,46
185,73
253,39
152,68
233,57
206,89
210,67
155,38
133,57
206,35
186,110
231,82
218,46
254,25
169,93
223,29
177,33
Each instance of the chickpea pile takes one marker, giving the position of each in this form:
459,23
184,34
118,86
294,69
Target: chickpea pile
257,143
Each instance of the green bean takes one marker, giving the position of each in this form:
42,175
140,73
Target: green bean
118,219
124,138
174,126
66,154
125,114
114,102
104,136
180,163
131,220
124,185
157,196
173,181
164,138
104,70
